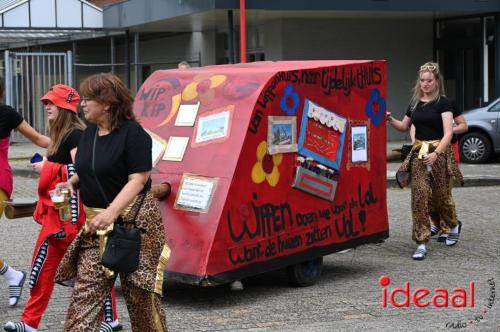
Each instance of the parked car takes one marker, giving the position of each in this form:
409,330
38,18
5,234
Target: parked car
482,140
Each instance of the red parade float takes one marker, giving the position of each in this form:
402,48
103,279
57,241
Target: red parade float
271,164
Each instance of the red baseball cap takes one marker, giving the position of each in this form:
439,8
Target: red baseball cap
63,96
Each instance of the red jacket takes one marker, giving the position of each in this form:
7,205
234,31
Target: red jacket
45,213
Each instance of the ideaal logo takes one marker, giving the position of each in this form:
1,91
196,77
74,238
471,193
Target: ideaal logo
423,297
440,298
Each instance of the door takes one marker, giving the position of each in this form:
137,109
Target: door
460,54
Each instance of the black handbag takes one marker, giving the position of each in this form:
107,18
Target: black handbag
124,243
405,151
123,248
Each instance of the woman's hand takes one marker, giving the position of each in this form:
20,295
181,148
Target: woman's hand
66,185
388,117
102,220
39,165
430,158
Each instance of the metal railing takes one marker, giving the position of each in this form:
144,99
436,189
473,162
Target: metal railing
28,76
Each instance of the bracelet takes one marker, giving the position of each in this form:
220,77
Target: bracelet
389,118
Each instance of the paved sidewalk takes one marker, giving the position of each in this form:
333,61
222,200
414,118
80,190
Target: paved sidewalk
346,298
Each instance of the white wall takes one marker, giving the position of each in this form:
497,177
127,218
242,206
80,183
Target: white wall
404,43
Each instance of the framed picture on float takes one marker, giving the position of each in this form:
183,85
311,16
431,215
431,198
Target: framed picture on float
176,147
358,151
322,135
281,134
213,127
159,145
186,116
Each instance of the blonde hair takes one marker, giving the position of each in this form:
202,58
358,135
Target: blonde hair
433,68
59,128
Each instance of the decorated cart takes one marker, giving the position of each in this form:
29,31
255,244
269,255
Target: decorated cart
272,164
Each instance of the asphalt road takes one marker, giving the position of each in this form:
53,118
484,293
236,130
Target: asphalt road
348,297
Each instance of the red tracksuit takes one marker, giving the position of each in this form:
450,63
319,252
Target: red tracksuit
53,240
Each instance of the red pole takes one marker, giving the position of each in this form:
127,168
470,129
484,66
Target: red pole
243,33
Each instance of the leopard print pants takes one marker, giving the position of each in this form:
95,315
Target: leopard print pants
435,184
141,288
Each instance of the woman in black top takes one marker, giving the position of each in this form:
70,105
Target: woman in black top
120,150
431,114
10,120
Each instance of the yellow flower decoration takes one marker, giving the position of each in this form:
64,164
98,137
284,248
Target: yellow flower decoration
203,88
266,167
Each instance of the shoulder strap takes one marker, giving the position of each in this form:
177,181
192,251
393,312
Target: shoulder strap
93,169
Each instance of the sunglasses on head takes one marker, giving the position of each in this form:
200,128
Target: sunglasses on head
428,67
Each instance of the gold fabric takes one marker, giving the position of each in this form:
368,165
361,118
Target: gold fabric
424,147
90,213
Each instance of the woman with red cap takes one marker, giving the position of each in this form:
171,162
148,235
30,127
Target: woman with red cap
58,230
10,120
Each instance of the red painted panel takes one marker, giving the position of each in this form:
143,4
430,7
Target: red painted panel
256,216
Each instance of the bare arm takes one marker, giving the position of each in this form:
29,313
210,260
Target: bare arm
135,184
460,125
402,125
33,135
412,134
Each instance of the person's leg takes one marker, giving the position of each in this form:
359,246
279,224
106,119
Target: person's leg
420,191
435,218
442,187
449,207
3,198
456,154
144,308
110,313
44,269
442,184
86,307
15,280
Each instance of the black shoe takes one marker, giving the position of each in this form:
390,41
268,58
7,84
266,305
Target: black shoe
434,230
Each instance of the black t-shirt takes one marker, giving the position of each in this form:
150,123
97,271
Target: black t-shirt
427,118
63,155
122,152
9,120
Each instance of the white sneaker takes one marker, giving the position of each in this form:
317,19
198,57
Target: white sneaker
420,253
236,286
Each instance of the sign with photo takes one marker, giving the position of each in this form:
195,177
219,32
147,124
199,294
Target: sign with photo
281,134
358,150
322,135
213,127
